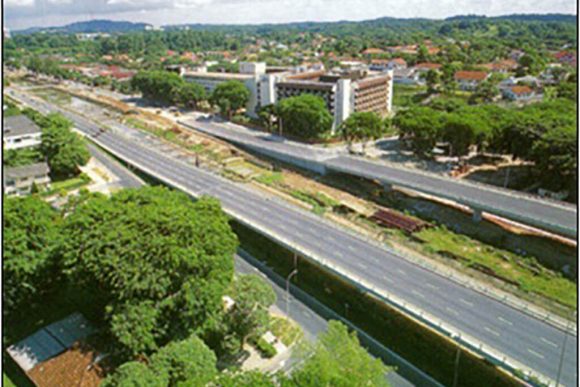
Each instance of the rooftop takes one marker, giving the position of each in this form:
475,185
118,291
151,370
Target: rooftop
519,90
471,75
221,76
26,171
19,125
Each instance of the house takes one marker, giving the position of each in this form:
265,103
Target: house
59,355
408,76
373,51
503,66
426,66
567,57
18,181
519,93
20,132
387,64
469,80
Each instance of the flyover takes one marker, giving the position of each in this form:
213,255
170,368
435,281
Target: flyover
504,335
553,216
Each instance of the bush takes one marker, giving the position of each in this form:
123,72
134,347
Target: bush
266,349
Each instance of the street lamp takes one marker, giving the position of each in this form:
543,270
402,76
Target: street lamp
293,273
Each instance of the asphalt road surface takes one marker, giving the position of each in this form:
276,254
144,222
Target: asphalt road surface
553,216
519,336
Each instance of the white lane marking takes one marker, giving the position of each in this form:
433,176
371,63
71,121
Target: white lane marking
387,279
351,248
431,286
339,255
466,302
453,311
536,354
504,320
491,331
401,271
418,293
549,342
362,265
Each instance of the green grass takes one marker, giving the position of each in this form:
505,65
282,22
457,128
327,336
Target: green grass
531,276
288,332
67,185
6,382
270,179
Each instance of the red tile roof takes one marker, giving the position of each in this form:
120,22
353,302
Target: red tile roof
427,65
371,51
519,90
470,75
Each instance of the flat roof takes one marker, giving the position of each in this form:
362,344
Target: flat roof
221,76
18,126
26,170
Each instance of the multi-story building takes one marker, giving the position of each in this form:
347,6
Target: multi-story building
18,181
343,93
20,132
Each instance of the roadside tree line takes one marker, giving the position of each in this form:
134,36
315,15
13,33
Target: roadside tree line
544,133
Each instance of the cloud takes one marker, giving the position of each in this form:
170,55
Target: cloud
25,13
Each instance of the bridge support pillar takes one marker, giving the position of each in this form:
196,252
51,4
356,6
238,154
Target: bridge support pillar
388,187
476,215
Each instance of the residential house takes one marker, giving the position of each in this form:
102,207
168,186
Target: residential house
408,76
567,57
20,132
469,80
519,93
373,51
387,64
503,66
426,66
18,181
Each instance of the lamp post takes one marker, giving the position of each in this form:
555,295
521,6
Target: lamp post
293,273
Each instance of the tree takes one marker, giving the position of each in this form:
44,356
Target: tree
305,116
162,86
64,150
190,94
230,97
249,315
134,374
460,132
31,236
421,126
185,363
432,79
337,359
151,252
244,379
486,91
362,126
267,114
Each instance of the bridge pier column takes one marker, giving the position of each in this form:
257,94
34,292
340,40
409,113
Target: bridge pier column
388,187
476,215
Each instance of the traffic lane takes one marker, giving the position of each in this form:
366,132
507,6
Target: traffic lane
228,195
564,215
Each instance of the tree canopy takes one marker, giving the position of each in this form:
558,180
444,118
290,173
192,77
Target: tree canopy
362,126
31,236
159,263
230,97
305,116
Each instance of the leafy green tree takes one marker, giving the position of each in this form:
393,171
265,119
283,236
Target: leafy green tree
421,126
244,379
134,374
22,156
486,91
185,363
190,94
432,80
249,315
230,97
31,236
64,149
460,132
567,90
362,126
162,86
151,248
337,359
267,114
305,116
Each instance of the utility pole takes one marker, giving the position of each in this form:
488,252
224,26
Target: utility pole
293,273
456,372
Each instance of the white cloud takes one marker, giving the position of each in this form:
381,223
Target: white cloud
18,3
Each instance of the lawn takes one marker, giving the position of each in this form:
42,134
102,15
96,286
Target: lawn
288,332
6,382
67,185
531,276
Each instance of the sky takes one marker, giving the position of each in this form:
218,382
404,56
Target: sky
19,14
